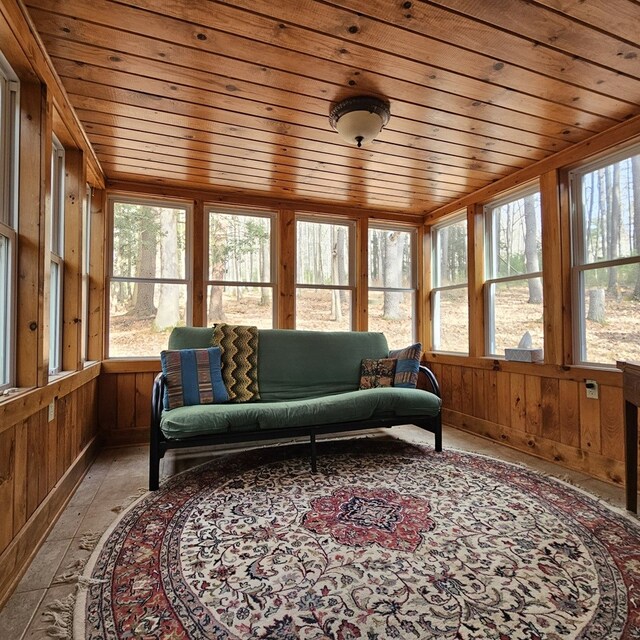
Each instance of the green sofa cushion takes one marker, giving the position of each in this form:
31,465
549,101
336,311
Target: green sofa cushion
296,364
350,406
308,364
191,338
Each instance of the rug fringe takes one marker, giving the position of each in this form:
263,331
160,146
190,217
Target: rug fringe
60,615
71,573
129,499
89,540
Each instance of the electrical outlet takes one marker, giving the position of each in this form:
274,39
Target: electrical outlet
592,389
52,411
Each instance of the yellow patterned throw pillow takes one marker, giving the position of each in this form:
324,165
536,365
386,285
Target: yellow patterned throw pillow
239,346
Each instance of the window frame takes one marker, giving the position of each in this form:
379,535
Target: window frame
350,224
151,201
455,218
211,207
578,253
383,225
9,189
56,255
85,274
490,261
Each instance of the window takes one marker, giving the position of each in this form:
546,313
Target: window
449,292
392,289
86,262
149,277
606,271
513,285
240,278
9,99
56,253
324,275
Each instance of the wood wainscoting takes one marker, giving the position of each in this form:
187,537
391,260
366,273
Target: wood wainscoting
540,409
41,463
124,392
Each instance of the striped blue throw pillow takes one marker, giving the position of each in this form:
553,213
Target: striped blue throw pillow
408,365
193,376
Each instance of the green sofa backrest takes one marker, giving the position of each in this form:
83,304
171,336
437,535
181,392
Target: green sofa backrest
296,364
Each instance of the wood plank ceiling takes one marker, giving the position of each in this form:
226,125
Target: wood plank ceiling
235,96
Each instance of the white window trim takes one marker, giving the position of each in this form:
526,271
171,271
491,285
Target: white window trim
351,247
188,278
56,256
9,185
86,274
490,264
435,274
210,208
578,265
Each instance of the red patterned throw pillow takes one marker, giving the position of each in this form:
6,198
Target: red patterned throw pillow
377,373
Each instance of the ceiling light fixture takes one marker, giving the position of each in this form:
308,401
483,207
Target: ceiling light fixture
359,120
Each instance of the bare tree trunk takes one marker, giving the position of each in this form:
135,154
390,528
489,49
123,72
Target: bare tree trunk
217,239
392,275
531,249
445,271
596,306
635,170
341,251
143,306
614,229
602,209
336,307
168,313
263,263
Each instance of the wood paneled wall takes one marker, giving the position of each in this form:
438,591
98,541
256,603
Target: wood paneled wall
43,454
546,414
125,401
41,462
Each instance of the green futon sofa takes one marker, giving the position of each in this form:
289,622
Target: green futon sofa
308,384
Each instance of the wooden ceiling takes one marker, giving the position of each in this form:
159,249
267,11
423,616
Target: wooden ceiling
235,96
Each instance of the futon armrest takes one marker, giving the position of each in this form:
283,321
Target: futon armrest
157,400
435,387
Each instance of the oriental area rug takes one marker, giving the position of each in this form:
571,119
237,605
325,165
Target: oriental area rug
387,540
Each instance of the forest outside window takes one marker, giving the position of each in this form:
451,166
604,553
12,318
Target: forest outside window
9,99
324,275
606,271
148,282
449,292
513,284
392,284
56,253
240,279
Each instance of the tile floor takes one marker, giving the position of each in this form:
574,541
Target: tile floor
119,475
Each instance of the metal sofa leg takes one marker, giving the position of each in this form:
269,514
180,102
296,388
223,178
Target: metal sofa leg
438,432
154,469
314,467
